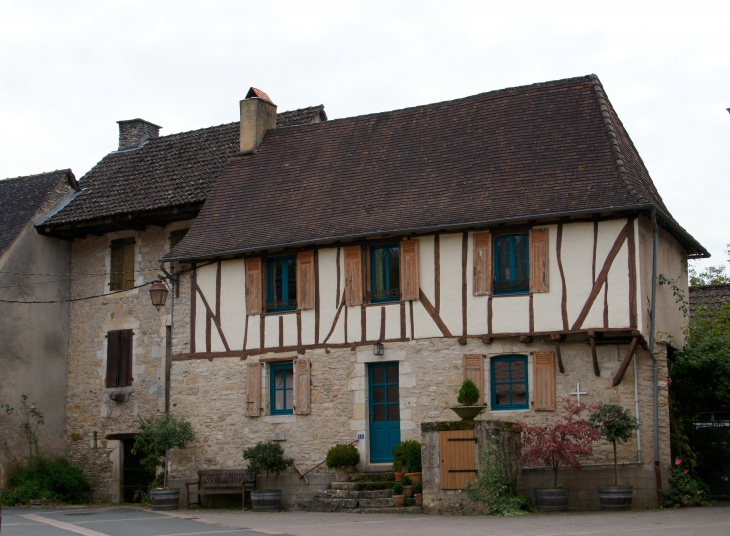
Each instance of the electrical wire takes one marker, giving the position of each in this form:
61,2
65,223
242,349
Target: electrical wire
79,275
80,299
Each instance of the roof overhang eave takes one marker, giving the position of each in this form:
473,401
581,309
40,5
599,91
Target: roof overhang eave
694,248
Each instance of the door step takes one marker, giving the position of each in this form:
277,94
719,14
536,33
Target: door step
369,493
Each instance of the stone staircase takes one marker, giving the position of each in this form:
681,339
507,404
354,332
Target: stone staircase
365,493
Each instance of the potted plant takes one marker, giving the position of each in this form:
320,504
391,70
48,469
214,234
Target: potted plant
418,493
399,500
407,486
340,458
615,424
468,399
558,444
398,469
409,454
266,457
156,437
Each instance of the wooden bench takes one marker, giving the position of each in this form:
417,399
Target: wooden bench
222,482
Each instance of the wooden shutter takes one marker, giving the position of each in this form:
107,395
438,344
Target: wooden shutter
128,261
474,371
125,357
544,381
482,264
254,389
301,387
457,449
254,287
539,260
353,275
305,280
116,265
112,358
409,270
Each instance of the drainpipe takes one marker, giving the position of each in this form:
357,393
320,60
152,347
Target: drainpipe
652,340
168,356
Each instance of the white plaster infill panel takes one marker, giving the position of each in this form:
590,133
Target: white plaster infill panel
547,305
618,290
426,267
233,302
392,320
327,261
577,261
354,324
450,246
511,314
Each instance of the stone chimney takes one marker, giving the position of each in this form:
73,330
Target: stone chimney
134,132
258,114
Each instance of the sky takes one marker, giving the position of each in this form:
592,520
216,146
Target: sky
69,70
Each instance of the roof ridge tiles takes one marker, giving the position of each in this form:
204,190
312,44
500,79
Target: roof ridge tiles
36,175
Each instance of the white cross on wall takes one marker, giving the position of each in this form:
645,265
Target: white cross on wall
578,392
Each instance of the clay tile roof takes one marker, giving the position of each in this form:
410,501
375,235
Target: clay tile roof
169,171
21,198
258,94
710,296
520,153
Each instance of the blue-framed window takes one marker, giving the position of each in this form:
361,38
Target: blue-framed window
385,273
509,382
511,264
282,284
281,388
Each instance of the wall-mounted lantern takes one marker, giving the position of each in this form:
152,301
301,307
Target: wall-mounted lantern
158,293
378,348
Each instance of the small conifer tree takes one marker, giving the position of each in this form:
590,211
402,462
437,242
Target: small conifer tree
468,394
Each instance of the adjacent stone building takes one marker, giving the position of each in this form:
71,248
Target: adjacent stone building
33,336
345,277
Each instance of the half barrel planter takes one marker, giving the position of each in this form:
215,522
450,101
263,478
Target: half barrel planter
615,498
165,499
266,500
552,499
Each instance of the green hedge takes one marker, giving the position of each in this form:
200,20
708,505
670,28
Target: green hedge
46,478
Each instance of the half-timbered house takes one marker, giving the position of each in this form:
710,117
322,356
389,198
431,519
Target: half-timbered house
343,278
133,207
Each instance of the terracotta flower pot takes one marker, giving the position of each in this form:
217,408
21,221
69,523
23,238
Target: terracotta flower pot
415,477
419,498
408,491
398,476
399,501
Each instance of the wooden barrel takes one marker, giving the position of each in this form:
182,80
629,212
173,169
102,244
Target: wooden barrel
266,500
551,499
165,499
615,498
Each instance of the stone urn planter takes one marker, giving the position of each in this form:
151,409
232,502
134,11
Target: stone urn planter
165,499
467,413
615,498
551,499
342,474
267,500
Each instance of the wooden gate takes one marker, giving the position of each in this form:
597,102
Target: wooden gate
457,453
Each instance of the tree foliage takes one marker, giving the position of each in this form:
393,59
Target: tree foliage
266,457
158,435
617,425
712,275
468,394
561,443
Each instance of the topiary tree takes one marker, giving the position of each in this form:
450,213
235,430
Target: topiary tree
616,424
408,453
468,394
267,457
560,443
342,456
157,436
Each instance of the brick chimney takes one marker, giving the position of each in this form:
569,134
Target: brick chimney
134,132
258,114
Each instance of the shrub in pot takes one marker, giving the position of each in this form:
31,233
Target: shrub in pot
266,457
418,492
468,399
157,436
398,469
398,498
558,444
616,425
409,454
407,486
340,458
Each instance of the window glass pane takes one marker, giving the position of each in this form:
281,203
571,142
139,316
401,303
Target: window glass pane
289,398
279,379
501,255
522,274
379,274
502,394
278,399
393,374
519,396
277,282
378,375
501,371
289,378
291,294
518,370
379,413
394,265
392,393
393,412
378,393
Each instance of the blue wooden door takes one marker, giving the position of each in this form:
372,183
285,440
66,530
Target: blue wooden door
384,411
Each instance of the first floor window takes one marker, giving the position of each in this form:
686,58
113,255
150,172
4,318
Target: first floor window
511,264
282,284
385,273
282,388
121,275
509,382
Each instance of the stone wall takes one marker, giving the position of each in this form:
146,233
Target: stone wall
90,411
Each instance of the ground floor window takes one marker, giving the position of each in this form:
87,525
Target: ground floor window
509,382
282,388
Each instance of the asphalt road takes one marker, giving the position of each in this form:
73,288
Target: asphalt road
106,522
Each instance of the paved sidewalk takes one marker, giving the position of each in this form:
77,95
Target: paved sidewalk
708,521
